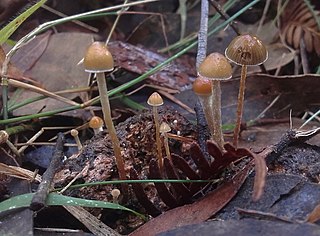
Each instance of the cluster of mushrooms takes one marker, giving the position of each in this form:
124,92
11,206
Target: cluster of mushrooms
244,50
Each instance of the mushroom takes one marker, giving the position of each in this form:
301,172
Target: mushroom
75,134
96,123
115,193
215,67
164,129
99,60
245,50
4,138
156,100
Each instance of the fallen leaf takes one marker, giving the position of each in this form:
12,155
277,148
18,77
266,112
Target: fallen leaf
196,212
57,70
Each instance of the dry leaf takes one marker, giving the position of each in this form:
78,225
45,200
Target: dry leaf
298,23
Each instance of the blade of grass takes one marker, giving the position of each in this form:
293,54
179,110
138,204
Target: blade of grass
54,199
9,29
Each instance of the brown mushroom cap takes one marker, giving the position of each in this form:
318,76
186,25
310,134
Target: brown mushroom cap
98,58
202,86
215,67
96,122
164,128
246,50
155,100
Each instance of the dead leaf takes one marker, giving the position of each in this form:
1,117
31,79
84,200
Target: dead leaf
314,215
260,168
28,55
196,212
57,70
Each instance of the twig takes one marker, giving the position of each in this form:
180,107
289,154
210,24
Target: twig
39,198
223,15
203,32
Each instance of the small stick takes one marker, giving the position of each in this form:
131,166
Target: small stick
39,198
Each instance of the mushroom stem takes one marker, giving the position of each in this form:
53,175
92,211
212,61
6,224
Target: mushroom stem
75,135
240,105
102,85
166,145
158,141
216,110
206,102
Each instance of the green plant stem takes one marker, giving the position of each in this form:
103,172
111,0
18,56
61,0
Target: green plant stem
141,181
4,85
240,105
102,85
132,82
216,110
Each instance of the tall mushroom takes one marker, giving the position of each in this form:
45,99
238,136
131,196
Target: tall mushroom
156,100
99,60
215,67
245,50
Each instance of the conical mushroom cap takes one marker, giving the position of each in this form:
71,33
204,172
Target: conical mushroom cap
215,67
155,100
98,58
246,50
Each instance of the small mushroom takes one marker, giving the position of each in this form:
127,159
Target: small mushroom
164,130
115,193
75,134
215,67
96,123
99,60
245,50
156,100
4,138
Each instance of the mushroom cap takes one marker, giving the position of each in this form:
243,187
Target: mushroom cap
215,67
74,132
4,136
202,86
164,128
115,193
246,50
98,58
96,122
155,100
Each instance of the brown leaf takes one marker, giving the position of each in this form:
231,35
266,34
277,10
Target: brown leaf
314,215
28,55
57,70
260,168
196,212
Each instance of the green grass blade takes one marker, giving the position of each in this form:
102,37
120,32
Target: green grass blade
9,29
54,199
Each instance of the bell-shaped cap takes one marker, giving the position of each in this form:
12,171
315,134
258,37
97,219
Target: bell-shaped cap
246,50
164,128
215,67
155,100
98,58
